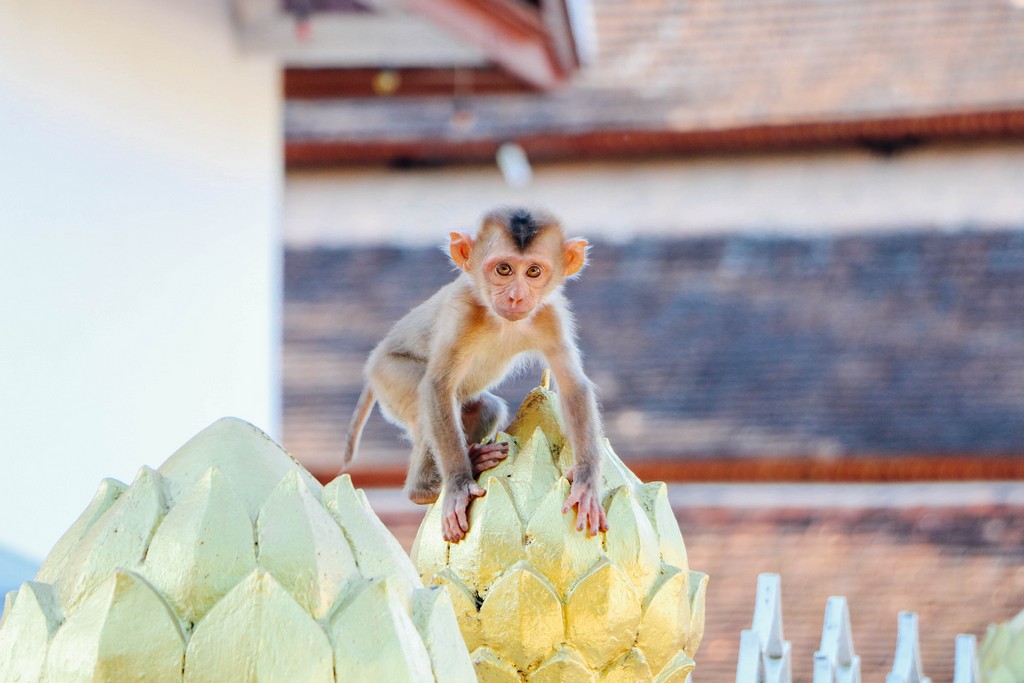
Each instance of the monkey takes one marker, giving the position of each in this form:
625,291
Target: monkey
433,371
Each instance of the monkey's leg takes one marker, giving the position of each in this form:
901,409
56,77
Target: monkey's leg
423,482
481,416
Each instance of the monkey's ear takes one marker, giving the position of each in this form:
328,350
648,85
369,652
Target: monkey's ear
460,246
574,256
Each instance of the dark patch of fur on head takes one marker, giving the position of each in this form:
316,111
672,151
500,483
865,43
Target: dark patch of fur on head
523,227
522,224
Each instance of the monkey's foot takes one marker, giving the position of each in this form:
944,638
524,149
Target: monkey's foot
484,456
423,496
455,514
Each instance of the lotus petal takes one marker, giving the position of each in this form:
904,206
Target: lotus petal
202,548
698,590
429,549
119,538
522,617
302,546
654,500
494,541
435,620
107,493
603,614
248,458
629,668
666,620
466,605
554,546
122,631
257,632
375,638
631,541
565,666
533,473
677,670
377,553
31,617
490,668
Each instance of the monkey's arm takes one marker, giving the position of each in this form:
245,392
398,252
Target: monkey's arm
441,424
583,422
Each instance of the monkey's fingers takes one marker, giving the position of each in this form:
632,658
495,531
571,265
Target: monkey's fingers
484,464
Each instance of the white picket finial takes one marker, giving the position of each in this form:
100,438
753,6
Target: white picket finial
965,666
906,666
837,646
764,653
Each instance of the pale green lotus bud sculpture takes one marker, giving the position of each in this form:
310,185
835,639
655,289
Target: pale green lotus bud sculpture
1002,653
537,600
229,563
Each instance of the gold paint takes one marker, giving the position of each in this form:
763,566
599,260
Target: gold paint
677,670
122,631
698,591
258,632
631,542
532,474
555,548
628,668
565,666
654,500
1001,656
539,409
232,562
545,378
429,551
621,606
522,617
666,618
603,614
466,605
490,668
498,543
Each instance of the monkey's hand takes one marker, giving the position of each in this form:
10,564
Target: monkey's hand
584,496
455,515
484,456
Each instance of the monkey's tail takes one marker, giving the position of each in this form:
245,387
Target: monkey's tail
355,427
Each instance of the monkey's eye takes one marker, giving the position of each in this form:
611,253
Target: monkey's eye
533,271
503,269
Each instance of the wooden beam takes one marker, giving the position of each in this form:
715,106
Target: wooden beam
313,83
511,33
885,135
864,469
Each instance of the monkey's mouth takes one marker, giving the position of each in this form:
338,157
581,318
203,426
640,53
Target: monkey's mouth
512,314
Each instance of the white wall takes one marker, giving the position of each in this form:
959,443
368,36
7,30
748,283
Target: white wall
943,187
140,189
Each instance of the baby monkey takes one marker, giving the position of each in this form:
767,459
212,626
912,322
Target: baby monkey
431,373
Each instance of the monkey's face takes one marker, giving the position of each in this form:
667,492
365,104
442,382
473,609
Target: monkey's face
517,282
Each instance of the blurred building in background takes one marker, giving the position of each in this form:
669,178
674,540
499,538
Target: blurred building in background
808,265
808,221
808,262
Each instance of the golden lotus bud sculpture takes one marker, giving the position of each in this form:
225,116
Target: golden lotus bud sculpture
229,563
1002,652
538,600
